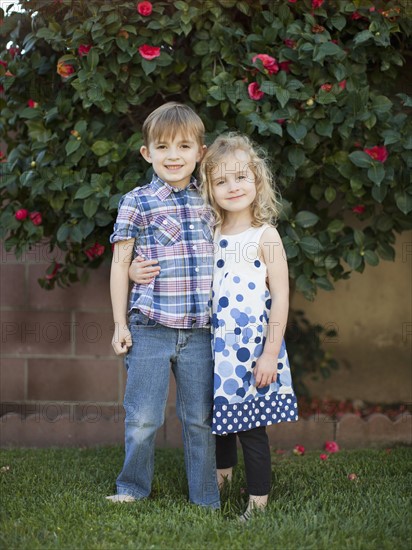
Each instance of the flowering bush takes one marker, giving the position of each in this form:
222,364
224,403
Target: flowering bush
312,81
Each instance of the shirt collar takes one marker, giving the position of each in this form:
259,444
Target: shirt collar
163,189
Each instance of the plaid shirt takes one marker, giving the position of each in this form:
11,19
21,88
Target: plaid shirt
172,226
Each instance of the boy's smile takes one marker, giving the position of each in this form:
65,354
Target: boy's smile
174,160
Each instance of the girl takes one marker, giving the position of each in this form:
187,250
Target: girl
250,300
252,386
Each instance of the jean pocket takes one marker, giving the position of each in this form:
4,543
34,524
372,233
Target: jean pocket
167,230
138,319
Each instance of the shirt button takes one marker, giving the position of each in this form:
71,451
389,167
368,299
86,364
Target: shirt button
197,269
194,247
164,222
198,290
191,226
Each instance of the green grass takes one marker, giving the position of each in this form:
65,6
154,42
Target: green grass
54,498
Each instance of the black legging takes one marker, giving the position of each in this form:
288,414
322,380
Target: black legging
256,454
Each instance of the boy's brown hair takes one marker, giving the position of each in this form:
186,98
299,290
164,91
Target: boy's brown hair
168,120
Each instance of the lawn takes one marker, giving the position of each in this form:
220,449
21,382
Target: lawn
54,498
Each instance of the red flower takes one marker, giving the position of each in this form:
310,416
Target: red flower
144,8
359,209
269,63
94,251
285,66
326,87
342,84
331,447
289,43
317,4
323,456
299,450
14,51
53,274
379,153
32,104
254,91
356,15
292,1
21,214
64,69
4,63
1,89
149,52
281,120
84,49
36,218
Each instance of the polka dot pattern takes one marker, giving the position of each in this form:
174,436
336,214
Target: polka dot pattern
241,306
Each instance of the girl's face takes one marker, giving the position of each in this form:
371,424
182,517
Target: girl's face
233,182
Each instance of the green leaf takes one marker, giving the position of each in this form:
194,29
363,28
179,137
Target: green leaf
361,159
336,226
148,66
296,156
371,257
338,21
72,145
101,147
324,128
354,259
362,37
376,173
63,233
310,245
379,193
93,59
296,130
403,201
306,219
304,284
381,104
324,283
330,194
90,207
330,262
84,192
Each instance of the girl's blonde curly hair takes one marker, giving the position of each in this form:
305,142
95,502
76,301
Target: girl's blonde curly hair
265,207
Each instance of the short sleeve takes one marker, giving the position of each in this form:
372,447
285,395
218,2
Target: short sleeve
128,221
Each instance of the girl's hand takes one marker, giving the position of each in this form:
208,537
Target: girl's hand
143,271
265,371
122,339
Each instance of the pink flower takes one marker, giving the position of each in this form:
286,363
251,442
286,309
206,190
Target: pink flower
94,251
323,456
352,477
317,4
254,91
299,450
379,153
342,84
269,63
4,63
21,214
144,8
149,52
14,51
32,104
359,209
36,218
65,70
53,274
326,87
285,66
281,121
331,447
289,43
84,49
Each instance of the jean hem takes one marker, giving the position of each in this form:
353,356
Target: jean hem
128,492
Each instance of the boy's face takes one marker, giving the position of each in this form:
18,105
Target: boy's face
174,160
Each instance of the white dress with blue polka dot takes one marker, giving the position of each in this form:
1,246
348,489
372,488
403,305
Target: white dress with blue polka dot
241,307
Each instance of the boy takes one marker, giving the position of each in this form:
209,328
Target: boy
166,221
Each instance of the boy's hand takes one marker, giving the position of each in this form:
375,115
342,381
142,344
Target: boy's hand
122,340
265,371
143,271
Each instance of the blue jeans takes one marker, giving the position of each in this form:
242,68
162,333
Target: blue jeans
155,347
